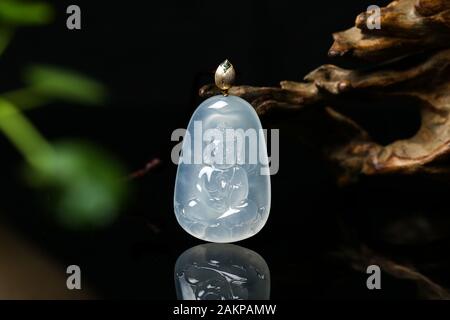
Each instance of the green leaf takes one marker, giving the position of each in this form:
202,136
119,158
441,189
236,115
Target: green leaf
89,184
21,132
57,83
17,13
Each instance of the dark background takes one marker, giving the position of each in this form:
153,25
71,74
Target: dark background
154,56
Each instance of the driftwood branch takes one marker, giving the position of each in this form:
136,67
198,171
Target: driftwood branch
360,258
412,65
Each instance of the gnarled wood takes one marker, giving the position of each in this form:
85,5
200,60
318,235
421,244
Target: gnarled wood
413,62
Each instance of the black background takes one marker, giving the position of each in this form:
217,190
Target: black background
154,56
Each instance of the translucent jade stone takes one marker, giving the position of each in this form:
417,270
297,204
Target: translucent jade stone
221,272
221,193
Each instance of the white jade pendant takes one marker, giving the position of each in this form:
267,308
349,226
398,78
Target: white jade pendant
222,189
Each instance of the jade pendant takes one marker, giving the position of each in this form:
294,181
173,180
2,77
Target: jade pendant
222,188
224,196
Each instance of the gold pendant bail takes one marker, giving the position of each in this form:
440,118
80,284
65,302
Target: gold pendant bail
224,76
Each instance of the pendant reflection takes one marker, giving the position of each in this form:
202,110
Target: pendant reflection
217,271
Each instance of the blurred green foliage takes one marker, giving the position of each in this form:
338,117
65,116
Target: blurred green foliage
5,37
19,13
87,184
53,82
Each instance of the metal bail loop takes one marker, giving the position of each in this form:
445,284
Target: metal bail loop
224,76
